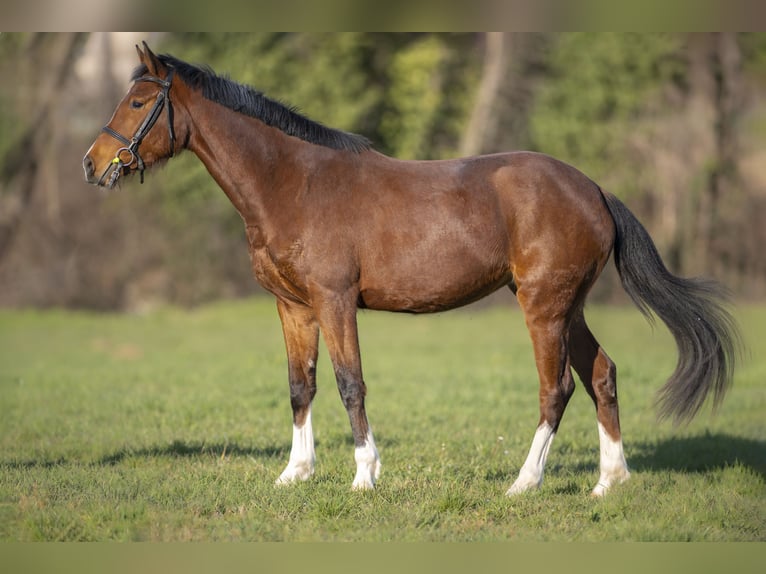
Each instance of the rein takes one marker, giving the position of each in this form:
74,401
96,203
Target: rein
131,145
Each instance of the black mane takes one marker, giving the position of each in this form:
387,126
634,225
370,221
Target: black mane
249,101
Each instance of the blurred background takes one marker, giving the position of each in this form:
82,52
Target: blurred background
675,124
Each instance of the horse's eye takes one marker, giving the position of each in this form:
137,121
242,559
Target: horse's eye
135,104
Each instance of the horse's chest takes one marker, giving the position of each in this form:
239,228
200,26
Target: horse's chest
275,272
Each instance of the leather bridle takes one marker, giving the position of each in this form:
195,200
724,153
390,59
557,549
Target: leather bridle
131,145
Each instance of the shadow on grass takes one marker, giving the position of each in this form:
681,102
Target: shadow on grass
179,449
29,464
182,449
701,453
175,449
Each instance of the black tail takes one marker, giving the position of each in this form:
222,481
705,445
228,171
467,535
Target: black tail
694,311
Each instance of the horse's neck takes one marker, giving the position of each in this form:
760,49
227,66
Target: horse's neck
245,157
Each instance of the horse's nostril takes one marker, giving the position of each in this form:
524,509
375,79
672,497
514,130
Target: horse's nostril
89,167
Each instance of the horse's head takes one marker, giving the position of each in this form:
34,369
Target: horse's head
141,130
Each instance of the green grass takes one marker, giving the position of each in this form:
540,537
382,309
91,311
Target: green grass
174,426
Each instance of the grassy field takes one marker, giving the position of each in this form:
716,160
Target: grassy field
174,425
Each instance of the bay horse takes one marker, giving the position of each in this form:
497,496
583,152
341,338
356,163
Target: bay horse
334,226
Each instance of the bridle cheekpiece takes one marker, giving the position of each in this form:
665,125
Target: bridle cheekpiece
117,165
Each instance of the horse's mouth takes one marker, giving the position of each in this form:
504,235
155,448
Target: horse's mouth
117,172
112,176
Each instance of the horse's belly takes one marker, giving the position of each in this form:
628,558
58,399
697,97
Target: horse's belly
431,288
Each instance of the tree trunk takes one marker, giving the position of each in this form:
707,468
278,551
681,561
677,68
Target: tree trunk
481,127
717,75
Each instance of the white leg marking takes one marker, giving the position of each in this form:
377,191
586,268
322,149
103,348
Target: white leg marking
367,464
614,469
301,463
531,473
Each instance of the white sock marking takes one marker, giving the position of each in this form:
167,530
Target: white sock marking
367,464
301,463
531,473
614,469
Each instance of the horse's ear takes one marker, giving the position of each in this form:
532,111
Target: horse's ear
152,62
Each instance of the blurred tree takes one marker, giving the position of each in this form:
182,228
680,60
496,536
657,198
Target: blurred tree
427,97
514,66
596,90
42,64
481,126
715,66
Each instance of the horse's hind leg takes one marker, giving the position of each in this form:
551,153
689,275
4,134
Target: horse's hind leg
599,376
549,331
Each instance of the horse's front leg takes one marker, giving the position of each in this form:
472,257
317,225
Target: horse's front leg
337,318
301,338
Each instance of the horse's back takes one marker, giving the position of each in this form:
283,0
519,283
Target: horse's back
539,189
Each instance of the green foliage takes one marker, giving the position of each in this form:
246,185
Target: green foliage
600,86
410,93
323,75
753,45
425,98
173,426
9,127
10,124
416,90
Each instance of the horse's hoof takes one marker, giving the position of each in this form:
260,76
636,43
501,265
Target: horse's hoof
293,474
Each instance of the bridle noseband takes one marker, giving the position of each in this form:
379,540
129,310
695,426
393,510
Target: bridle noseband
131,145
